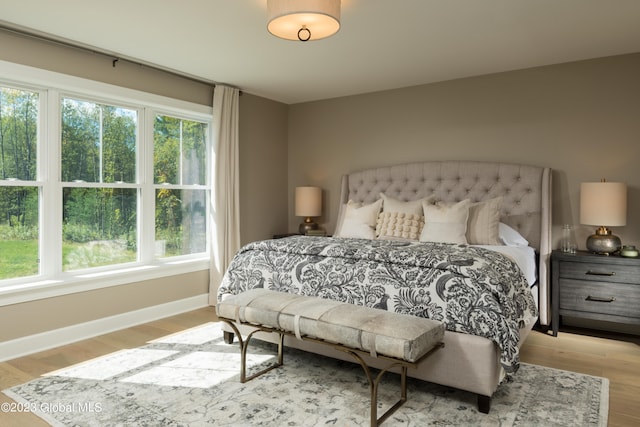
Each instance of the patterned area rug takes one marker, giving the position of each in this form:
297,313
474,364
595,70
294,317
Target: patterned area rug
191,379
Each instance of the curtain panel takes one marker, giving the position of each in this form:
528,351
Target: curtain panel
225,197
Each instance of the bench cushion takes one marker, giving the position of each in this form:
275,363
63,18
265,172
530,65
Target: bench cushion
373,330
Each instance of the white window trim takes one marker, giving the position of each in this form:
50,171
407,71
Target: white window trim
52,284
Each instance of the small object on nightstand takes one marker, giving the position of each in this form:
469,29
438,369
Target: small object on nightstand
629,251
318,232
567,244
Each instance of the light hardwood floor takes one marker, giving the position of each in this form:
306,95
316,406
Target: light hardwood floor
612,356
616,357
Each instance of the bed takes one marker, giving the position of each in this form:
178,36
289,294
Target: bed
377,251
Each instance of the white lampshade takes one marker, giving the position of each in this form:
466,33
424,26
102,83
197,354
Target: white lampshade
603,204
303,19
308,201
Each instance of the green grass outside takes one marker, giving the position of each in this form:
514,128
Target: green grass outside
18,258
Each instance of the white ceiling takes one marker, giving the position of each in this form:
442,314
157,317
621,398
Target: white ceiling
382,44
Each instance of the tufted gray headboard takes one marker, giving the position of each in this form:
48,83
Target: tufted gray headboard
525,191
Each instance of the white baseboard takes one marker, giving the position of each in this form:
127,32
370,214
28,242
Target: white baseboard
46,340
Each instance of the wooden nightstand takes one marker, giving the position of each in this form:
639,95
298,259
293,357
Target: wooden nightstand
283,235
589,286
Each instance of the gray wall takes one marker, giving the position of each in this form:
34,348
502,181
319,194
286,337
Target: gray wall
48,314
76,62
582,119
263,168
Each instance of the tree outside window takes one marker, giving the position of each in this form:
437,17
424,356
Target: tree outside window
99,148
179,159
19,191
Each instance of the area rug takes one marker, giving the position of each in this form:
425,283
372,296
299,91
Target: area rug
191,379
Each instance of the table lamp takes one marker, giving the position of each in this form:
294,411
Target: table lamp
603,204
308,205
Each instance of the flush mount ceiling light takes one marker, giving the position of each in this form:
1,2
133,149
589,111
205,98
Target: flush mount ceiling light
303,20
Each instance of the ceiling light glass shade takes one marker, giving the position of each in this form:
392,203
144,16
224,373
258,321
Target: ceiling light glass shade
303,19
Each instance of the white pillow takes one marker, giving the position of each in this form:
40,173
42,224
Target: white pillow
445,223
482,225
360,221
413,207
511,237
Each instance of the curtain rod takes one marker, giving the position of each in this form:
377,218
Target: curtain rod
115,57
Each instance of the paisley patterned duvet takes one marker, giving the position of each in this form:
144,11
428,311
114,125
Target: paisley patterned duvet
472,290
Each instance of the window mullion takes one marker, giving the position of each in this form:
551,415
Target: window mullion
146,220
51,193
101,144
181,157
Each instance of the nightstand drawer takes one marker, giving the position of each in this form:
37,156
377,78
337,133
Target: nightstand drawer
600,297
600,272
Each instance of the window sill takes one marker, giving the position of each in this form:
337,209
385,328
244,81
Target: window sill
25,292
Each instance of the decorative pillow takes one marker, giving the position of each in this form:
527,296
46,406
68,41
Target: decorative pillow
399,225
413,207
360,220
445,223
511,237
482,225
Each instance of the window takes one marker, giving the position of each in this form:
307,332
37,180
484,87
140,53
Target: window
99,221
179,164
96,179
19,190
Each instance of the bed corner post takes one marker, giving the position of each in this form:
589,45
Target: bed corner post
544,298
228,337
484,403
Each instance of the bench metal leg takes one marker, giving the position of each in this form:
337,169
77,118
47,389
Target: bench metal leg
244,344
374,383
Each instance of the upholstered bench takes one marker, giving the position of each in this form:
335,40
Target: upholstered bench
402,340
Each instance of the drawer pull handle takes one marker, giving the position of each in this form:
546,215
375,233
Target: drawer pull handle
601,273
600,299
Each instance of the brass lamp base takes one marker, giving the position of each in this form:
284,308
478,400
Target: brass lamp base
603,242
307,225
